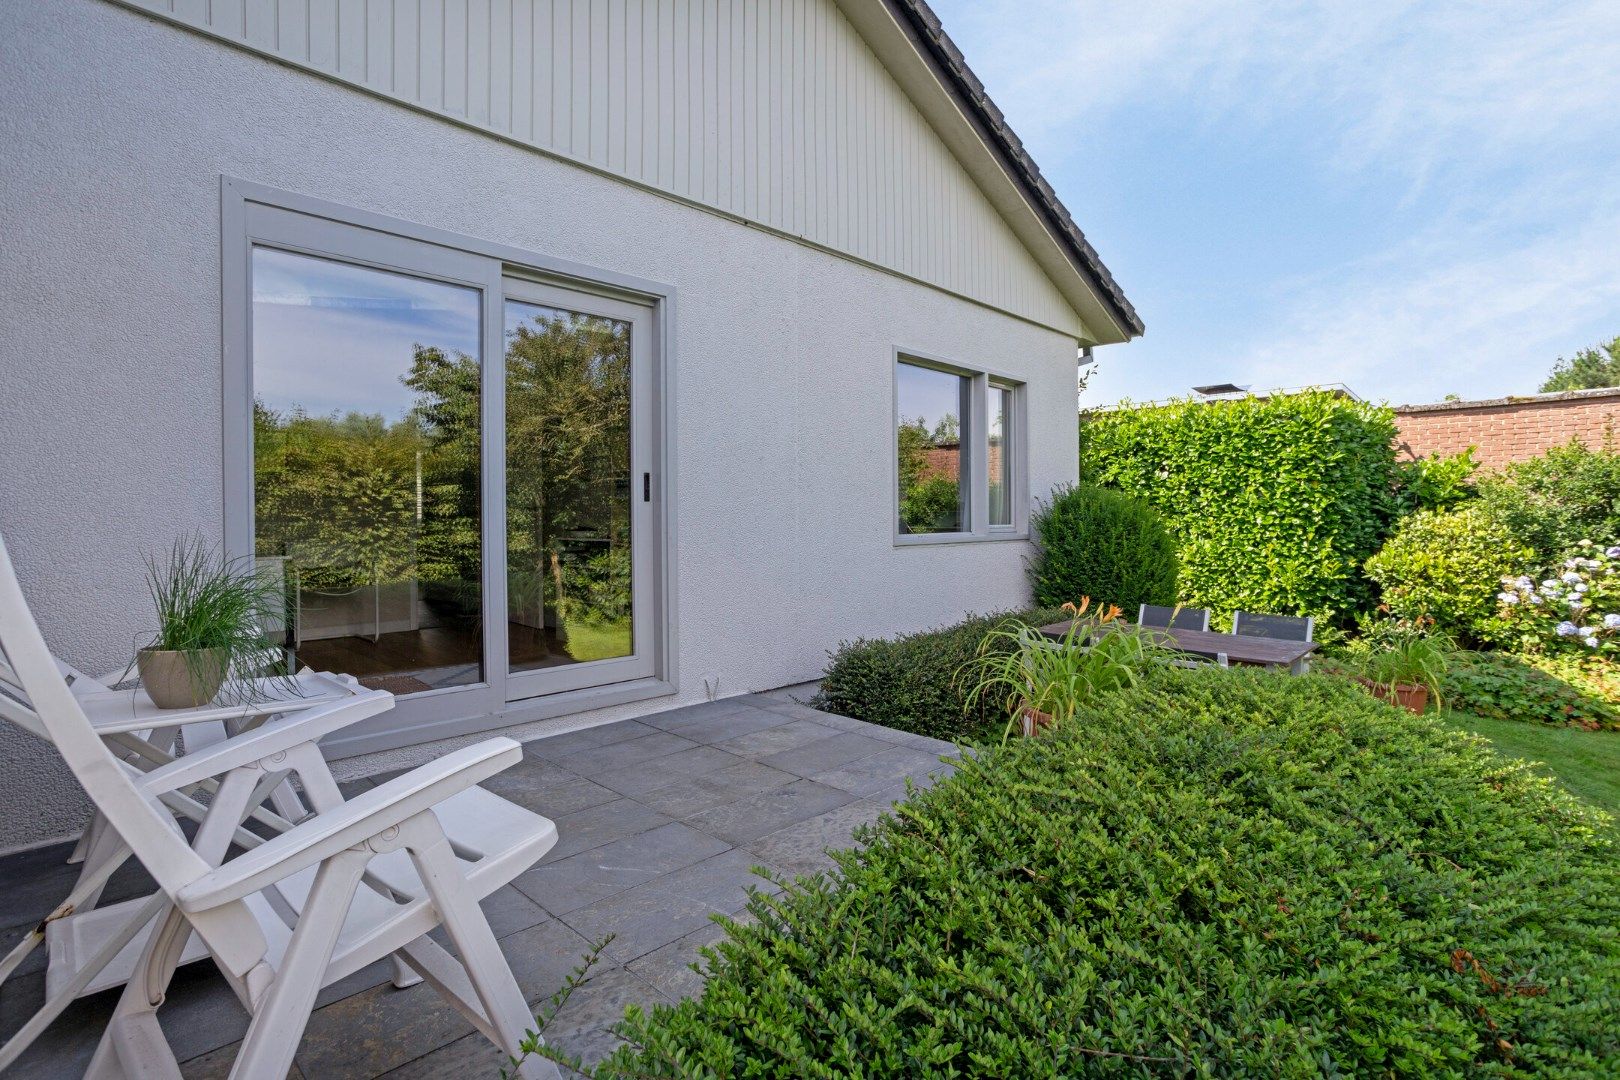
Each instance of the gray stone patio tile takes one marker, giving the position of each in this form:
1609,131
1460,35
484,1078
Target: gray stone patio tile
848,723
548,788
685,715
885,771
824,754
216,1065
669,968
63,1051
557,747
746,819
730,722
686,797
669,907
801,848
795,710
542,956
602,825
598,760
596,1007
574,882
369,1033
941,747
771,740
643,777
469,1056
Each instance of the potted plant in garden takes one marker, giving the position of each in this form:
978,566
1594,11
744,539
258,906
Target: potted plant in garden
1407,670
211,615
1042,681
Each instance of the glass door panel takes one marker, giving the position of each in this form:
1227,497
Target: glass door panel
366,478
575,504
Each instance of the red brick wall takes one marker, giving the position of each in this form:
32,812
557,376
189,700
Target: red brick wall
1508,429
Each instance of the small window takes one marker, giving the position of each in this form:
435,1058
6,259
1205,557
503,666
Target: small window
999,455
958,448
933,421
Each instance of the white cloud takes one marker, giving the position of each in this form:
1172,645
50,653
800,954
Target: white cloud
1502,117
1403,81
1438,316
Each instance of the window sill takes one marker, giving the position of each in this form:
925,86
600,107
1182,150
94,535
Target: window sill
931,539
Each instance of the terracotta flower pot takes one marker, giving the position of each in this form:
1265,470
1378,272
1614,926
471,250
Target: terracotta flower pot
1413,697
181,678
1033,721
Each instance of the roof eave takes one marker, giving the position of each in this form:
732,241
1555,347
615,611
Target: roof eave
936,46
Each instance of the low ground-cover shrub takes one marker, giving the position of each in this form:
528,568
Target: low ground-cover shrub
1102,544
1213,873
910,682
1535,690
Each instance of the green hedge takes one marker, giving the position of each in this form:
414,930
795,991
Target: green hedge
1218,873
910,682
1094,542
1275,503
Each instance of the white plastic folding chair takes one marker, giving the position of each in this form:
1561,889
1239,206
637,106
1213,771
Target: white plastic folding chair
294,913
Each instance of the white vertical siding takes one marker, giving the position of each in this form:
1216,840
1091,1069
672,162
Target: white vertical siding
773,110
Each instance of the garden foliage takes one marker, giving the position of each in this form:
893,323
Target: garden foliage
1532,690
1275,503
1447,567
1552,502
1275,876
910,682
1102,544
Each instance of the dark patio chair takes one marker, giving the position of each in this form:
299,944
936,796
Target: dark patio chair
1176,618
1277,627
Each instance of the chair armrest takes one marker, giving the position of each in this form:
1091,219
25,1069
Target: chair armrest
356,821
266,740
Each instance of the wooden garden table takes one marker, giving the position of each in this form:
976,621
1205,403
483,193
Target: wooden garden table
1239,649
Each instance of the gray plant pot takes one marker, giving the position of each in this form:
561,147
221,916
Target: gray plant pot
182,678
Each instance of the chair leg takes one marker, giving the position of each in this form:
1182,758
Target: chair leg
481,955
83,846
280,1018
132,1044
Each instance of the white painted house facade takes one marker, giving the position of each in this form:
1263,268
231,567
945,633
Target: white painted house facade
604,316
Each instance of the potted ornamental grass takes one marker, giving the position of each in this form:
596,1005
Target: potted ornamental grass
1403,665
1042,681
211,614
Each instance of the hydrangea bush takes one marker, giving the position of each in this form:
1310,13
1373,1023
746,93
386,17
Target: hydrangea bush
1576,608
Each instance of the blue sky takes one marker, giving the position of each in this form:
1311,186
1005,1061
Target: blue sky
1413,198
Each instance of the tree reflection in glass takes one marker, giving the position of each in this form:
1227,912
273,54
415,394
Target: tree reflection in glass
567,486
366,479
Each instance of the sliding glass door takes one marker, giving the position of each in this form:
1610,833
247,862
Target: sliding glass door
451,469
578,490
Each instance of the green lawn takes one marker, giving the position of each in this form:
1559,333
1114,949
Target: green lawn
1587,762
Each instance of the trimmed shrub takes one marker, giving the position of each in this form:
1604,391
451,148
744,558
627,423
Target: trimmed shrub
1552,502
1272,876
1448,567
1275,503
910,682
1534,690
1103,544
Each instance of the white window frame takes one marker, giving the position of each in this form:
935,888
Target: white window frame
255,215
975,445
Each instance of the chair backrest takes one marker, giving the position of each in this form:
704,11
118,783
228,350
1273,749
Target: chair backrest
46,704
1280,627
1173,618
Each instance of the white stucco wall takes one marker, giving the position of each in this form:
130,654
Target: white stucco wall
110,357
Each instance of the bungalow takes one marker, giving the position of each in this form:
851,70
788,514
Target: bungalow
561,360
